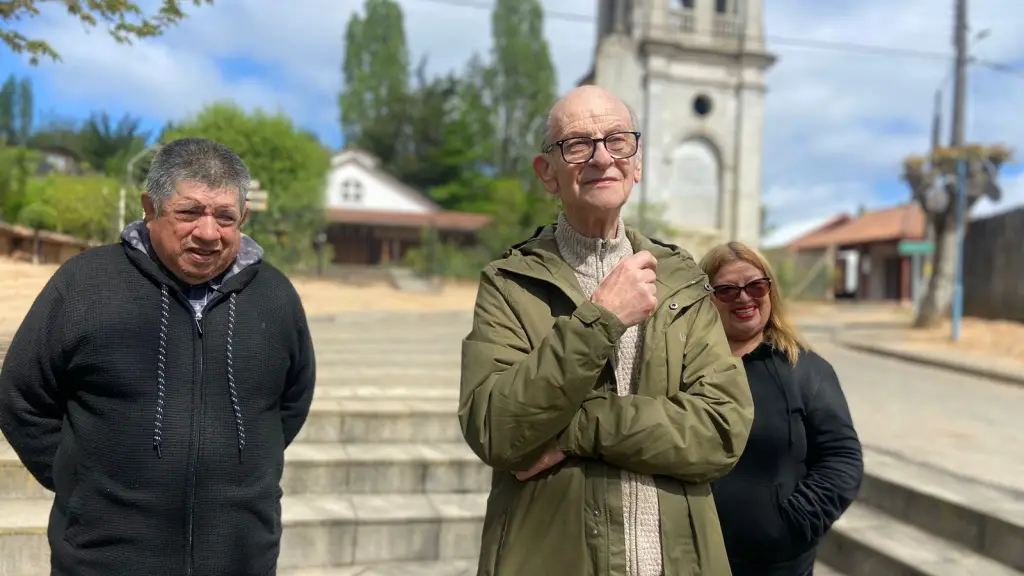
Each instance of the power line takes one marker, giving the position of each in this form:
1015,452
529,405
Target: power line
849,47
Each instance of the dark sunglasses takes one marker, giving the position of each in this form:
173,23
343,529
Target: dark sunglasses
755,289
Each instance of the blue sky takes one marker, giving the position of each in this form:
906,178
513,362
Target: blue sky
838,123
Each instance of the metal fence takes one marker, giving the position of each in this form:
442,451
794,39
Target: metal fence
994,267
803,275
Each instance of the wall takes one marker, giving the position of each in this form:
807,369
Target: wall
876,257
795,269
994,267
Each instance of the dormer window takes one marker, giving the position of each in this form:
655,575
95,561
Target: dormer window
351,191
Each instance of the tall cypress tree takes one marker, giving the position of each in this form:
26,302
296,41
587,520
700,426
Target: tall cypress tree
375,74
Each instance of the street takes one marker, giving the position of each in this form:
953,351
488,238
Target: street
958,423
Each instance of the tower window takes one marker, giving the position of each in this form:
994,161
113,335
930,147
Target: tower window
702,105
687,4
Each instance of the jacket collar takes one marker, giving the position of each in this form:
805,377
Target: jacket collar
539,258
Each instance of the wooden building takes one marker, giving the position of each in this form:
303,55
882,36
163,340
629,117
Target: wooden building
374,219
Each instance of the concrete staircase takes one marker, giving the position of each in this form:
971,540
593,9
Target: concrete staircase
915,520
380,482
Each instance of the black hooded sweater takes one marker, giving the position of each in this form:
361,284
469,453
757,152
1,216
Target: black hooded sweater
800,470
160,429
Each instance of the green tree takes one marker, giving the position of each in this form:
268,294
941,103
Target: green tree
374,100
16,167
288,162
107,146
934,185
16,110
83,206
522,85
447,150
125,21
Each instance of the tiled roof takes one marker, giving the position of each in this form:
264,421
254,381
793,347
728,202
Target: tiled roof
889,224
784,236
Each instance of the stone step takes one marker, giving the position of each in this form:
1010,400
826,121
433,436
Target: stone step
389,350
407,379
388,371
821,569
451,568
987,520
360,358
384,336
869,542
334,469
383,468
318,530
398,415
15,481
395,337
399,390
381,420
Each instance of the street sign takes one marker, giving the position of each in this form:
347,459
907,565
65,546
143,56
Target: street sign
257,199
912,247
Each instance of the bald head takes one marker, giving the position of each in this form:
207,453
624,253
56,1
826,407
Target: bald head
585,103
594,168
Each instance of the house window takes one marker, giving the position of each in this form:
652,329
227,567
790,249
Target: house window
351,191
724,6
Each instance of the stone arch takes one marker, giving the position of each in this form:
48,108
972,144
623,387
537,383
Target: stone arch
696,189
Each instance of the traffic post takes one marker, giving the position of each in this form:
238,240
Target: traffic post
918,250
257,199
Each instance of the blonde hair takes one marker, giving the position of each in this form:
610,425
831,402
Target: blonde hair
779,331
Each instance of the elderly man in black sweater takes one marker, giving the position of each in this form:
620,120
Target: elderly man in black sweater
155,384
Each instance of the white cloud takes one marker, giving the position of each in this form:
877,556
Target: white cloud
828,139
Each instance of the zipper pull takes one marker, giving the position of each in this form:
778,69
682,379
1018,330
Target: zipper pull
199,323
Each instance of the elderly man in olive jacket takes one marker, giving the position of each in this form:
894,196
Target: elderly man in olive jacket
597,380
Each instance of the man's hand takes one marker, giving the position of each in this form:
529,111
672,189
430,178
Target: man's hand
629,290
549,459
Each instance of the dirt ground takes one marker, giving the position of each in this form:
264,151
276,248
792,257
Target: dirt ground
20,283
989,338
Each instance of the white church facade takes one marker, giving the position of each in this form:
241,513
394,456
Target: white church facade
694,73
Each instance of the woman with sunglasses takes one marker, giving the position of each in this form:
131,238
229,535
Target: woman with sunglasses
802,464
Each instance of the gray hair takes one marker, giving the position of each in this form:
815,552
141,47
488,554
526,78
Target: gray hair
549,126
199,160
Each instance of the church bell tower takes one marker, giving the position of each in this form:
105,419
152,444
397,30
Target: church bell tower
694,73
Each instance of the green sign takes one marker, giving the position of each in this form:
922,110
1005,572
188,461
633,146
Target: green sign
911,247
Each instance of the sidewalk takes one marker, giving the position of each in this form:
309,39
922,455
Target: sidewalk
987,348
896,345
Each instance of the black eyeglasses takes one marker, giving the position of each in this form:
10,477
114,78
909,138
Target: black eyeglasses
580,150
755,289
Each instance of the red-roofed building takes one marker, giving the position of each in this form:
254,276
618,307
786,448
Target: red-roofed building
373,218
868,263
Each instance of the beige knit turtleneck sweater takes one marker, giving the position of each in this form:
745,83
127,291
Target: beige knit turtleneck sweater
592,259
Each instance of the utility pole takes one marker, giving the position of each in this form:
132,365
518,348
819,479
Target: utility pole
960,75
957,140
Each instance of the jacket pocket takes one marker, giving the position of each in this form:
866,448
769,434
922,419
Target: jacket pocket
73,524
750,514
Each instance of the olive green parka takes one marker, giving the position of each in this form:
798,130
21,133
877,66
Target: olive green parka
537,372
